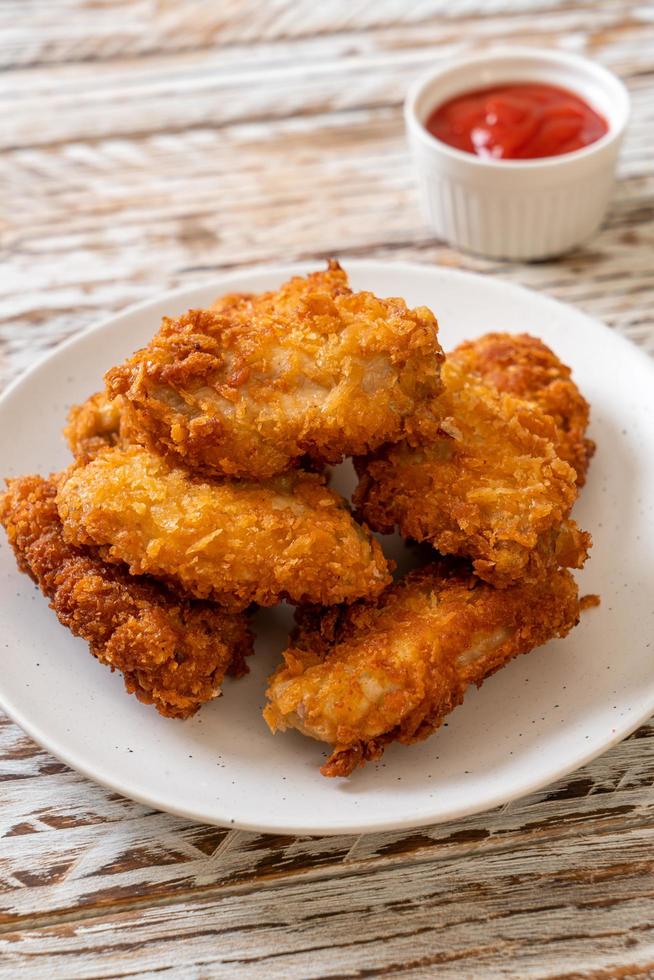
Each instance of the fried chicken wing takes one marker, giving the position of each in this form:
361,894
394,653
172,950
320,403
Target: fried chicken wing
172,652
361,677
525,367
250,386
232,541
490,486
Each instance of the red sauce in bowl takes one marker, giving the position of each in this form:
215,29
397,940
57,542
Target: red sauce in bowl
517,121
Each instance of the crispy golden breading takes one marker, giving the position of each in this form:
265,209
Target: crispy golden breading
98,423
249,387
523,366
361,677
490,487
233,541
172,652
231,301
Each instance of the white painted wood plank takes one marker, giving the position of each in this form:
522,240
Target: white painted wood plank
70,31
582,903
91,218
214,87
70,849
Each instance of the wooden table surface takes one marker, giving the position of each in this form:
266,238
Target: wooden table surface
154,143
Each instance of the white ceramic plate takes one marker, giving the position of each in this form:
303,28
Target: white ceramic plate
536,720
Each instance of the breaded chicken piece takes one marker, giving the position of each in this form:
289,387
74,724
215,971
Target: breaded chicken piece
490,487
232,541
172,652
98,423
250,386
525,367
361,677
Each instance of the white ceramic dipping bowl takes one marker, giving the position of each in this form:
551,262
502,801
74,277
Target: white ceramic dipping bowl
516,209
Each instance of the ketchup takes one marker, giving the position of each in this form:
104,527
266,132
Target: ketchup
517,121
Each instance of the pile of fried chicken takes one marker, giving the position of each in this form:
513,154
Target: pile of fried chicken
199,490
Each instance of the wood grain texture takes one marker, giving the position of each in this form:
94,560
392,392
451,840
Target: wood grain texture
149,144
94,849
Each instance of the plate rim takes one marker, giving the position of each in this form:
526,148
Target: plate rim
229,280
